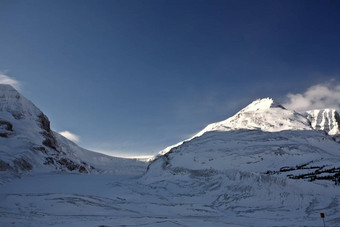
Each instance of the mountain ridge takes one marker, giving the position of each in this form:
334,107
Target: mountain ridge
269,119
27,143
264,114
252,170
246,170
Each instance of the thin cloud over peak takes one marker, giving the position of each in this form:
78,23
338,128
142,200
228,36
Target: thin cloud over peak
71,136
4,79
319,96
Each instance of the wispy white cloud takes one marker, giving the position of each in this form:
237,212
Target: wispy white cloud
320,96
4,79
71,136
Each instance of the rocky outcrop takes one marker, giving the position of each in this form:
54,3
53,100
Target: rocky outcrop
27,138
327,120
4,166
6,128
49,141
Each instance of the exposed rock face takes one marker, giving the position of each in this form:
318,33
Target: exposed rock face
5,128
27,141
4,166
44,122
22,165
49,141
327,120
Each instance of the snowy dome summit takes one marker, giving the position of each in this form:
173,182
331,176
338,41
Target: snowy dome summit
263,158
267,115
264,114
262,104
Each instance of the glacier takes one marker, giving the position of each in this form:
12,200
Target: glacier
264,166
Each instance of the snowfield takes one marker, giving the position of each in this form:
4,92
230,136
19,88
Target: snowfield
264,166
194,198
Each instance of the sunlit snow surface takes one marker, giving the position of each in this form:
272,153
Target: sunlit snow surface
325,119
183,198
218,179
265,166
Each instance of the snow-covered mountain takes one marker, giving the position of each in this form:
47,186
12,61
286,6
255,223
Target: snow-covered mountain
262,114
265,160
327,120
263,137
264,166
27,143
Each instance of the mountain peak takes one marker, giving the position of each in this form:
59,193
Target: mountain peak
6,87
7,90
262,114
262,104
11,101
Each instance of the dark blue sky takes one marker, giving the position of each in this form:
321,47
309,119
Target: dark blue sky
136,76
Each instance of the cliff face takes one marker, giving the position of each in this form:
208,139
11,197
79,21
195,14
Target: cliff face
27,143
327,120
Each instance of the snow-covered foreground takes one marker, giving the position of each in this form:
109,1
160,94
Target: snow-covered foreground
264,166
97,200
198,199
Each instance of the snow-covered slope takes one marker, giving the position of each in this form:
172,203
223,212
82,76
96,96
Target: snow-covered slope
263,137
265,159
265,166
102,163
327,120
27,143
262,114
